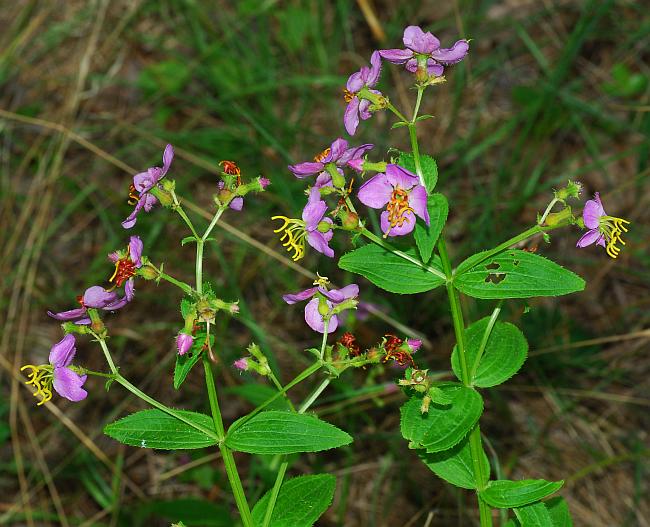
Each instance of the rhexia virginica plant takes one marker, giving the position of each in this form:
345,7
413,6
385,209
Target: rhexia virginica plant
440,419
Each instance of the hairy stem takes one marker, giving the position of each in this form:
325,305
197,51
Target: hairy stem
475,445
226,453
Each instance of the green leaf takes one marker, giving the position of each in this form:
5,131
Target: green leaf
187,304
157,429
441,427
391,272
399,124
189,239
559,511
455,465
506,494
278,432
184,363
535,515
429,168
426,237
505,352
514,274
300,503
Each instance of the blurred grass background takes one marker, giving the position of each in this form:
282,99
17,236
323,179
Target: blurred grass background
92,91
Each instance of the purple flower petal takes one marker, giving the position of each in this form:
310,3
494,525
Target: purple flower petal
132,218
372,75
339,295
593,211
145,181
148,201
135,250
376,192
354,153
62,353
129,289
337,149
451,55
406,227
237,203
433,68
356,164
351,116
412,65
97,297
396,56
319,241
364,109
315,320
293,298
418,202
589,237
314,210
168,156
355,82
114,256
308,168
419,41
400,177
69,384
324,179
72,314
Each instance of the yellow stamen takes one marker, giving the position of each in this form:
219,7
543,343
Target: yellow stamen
133,197
397,208
347,95
319,157
294,236
117,265
321,281
41,379
612,228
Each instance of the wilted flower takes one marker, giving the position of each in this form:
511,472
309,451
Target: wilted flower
313,227
423,50
356,93
603,230
335,157
401,193
323,302
58,374
95,297
143,183
126,262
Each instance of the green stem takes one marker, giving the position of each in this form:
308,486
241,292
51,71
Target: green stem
476,448
226,453
187,288
181,212
547,211
484,340
324,341
200,243
148,399
413,135
285,464
380,241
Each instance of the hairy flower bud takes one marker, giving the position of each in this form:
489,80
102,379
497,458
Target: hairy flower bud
349,220
148,271
184,343
164,192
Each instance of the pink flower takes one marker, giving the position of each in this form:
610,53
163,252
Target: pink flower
401,193
603,230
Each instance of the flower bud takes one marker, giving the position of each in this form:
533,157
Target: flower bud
241,364
324,226
164,192
413,344
148,271
184,343
349,220
263,182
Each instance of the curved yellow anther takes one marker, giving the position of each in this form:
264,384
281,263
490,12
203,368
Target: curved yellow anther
41,379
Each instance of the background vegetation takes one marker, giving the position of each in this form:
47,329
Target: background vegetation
92,91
